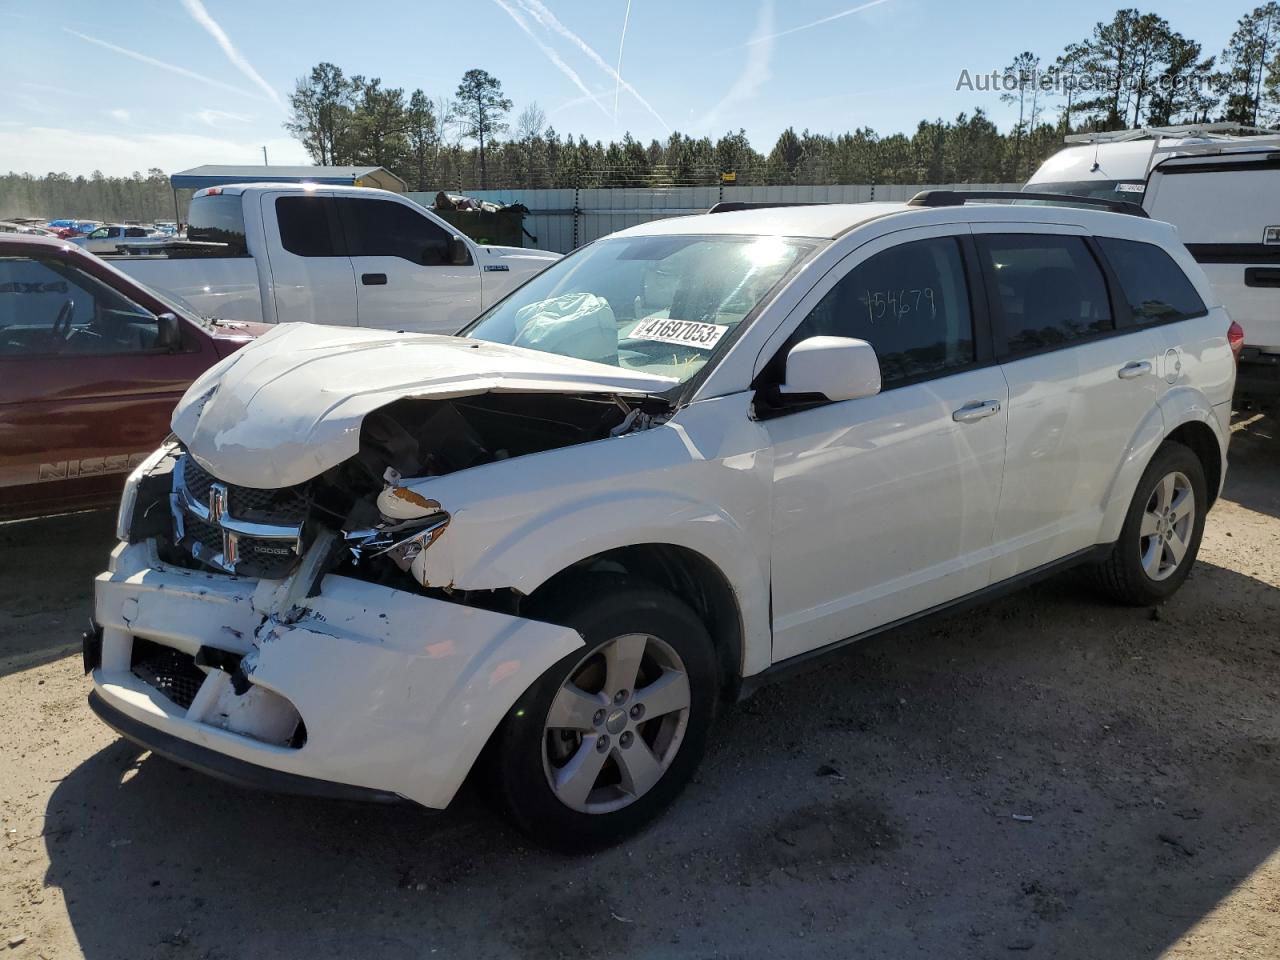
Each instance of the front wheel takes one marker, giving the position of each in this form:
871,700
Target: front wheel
1162,530
609,735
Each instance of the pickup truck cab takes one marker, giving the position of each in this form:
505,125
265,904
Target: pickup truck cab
91,365
689,457
355,256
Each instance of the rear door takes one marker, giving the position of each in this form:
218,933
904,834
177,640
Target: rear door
312,280
1079,386
85,393
404,280
1226,211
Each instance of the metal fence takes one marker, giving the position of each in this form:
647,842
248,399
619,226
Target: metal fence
564,219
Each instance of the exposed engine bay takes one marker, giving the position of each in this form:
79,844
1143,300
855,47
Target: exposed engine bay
374,524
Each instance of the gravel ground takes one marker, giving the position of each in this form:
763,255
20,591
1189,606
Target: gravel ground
1048,776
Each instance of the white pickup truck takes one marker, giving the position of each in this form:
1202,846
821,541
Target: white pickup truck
276,252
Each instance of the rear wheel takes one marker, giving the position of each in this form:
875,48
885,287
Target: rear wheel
1161,534
607,737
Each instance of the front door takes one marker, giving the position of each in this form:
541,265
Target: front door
884,506
404,277
311,276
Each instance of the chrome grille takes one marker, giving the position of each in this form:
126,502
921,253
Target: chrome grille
244,530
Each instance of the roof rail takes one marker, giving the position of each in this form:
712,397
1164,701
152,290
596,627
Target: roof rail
729,206
1211,131
958,198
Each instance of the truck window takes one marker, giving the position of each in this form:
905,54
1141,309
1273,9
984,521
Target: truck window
1048,289
308,226
218,219
49,307
911,303
1154,286
385,228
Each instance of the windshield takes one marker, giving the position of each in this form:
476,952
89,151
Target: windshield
1129,190
661,305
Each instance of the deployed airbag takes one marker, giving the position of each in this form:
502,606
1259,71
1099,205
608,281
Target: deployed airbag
580,325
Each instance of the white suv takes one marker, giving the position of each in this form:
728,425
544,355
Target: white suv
681,460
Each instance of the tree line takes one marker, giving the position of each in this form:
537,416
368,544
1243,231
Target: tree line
1131,70
96,197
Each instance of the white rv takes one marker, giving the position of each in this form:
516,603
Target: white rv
1219,184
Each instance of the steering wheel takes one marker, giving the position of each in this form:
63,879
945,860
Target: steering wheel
61,330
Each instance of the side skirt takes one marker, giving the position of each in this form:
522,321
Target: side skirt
785,669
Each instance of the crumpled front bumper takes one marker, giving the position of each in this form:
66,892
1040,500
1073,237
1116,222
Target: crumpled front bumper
398,692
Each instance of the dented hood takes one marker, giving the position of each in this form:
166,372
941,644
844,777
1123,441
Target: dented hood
288,406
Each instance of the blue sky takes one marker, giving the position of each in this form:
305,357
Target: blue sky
133,84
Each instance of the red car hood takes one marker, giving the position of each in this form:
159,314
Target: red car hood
231,335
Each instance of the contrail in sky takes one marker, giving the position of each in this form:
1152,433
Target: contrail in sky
152,61
538,10
617,87
202,17
551,55
816,23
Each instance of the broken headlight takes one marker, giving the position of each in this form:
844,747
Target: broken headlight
129,499
401,542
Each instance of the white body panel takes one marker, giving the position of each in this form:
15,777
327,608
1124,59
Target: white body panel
824,523
288,405
271,285
434,672
1237,204
224,287
300,289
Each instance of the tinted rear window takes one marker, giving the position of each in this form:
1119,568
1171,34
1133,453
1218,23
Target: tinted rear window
1050,290
218,219
1154,286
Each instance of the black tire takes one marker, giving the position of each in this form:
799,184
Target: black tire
1122,574
602,607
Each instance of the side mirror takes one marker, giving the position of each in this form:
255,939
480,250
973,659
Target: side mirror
169,336
459,253
838,368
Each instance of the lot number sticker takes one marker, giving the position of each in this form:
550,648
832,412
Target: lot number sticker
686,333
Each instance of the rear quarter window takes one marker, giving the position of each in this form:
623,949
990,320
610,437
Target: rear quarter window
218,219
1154,286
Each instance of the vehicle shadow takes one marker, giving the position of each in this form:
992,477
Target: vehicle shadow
47,568
1050,773
1253,464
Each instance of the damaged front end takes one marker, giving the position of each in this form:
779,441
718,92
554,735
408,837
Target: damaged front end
379,524
286,628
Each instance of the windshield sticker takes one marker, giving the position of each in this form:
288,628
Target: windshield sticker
686,333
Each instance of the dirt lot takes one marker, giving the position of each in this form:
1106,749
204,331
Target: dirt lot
1051,776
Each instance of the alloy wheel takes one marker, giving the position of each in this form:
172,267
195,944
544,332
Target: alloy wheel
1168,522
616,724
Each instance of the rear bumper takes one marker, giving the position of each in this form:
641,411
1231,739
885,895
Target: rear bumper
397,693
1258,373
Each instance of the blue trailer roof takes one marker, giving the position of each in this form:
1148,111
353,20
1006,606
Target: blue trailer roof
216,175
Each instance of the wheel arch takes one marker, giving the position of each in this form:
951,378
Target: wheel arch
690,575
1183,416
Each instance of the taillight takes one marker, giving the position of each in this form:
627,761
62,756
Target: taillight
1235,339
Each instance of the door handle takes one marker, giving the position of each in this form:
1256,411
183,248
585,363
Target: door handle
373,279
1134,369
978,410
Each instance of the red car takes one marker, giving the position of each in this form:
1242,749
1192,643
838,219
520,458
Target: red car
91,365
